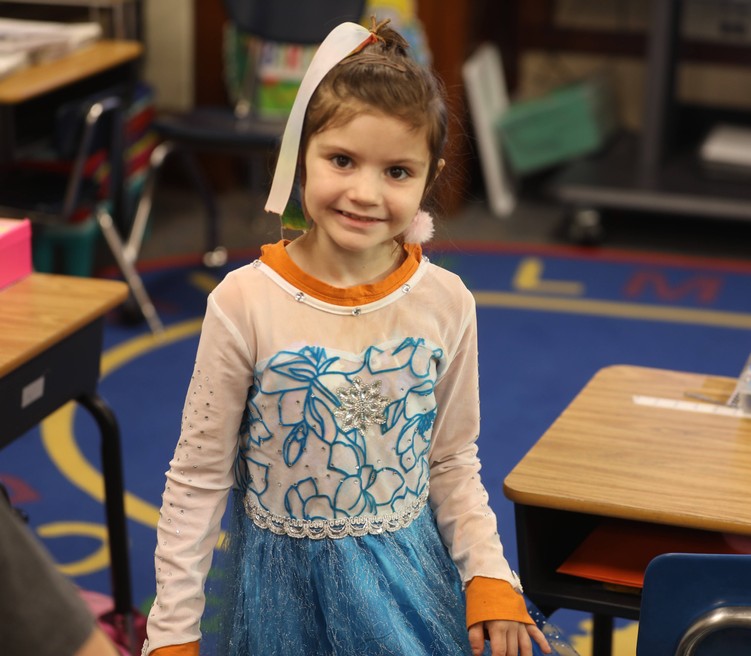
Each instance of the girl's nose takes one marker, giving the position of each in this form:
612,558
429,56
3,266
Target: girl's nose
364,188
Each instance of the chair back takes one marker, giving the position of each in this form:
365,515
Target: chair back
292,21
696,605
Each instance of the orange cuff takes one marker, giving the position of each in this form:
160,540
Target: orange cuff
188,649
494,599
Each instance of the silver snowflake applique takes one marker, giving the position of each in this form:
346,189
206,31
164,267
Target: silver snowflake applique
362,405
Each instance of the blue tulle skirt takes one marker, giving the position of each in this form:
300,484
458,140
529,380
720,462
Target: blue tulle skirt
377,595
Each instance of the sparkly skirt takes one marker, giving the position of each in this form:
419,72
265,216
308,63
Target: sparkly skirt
377,595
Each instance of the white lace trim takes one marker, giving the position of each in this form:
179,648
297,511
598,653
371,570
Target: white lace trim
317,529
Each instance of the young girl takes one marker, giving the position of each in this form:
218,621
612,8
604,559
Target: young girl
336,388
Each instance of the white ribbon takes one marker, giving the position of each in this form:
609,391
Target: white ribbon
340,42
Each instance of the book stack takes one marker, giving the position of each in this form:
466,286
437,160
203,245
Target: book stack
26,42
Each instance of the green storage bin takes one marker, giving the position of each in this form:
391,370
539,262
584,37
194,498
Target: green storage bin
568,122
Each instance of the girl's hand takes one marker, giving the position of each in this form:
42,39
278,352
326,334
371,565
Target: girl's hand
506,638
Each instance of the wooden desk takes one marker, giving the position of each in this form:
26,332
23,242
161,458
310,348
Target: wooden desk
50,346
607,456
38,84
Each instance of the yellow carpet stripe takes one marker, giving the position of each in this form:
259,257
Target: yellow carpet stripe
616,309
98,560
203,281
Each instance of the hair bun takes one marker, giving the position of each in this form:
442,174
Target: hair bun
389,37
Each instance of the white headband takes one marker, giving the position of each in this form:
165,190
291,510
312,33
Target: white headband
342,41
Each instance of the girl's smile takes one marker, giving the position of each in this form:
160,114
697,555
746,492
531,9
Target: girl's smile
356,217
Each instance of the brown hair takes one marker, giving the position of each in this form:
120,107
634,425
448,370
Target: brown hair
384,77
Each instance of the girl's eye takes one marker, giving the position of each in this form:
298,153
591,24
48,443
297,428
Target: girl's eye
398,173
341,161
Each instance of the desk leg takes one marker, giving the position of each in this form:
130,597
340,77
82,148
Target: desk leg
115,510
602,635
7,133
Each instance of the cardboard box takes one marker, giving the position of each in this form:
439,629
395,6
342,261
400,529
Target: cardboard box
15,250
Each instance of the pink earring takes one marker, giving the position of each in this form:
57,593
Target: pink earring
420,230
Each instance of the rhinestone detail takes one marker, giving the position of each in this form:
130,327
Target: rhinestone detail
361,405
318,529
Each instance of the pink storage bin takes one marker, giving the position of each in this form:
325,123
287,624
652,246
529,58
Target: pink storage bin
15,250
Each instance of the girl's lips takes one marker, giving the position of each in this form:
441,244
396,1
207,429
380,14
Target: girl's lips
358,217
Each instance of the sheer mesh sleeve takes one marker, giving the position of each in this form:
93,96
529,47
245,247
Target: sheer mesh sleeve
465,520
200,474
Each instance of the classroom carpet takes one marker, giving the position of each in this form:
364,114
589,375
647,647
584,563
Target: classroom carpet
549,318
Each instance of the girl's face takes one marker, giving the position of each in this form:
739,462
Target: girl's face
364,181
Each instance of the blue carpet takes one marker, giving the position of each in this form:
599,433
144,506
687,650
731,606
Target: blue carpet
549,318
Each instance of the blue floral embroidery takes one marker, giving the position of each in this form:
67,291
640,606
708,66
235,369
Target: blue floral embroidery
357,495
290,415
303,501
254,425
423,473
295,442
345,458
412,353
309,368
251,474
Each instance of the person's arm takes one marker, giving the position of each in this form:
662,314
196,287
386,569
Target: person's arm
498,612
98,644
459,500
41,610
201,473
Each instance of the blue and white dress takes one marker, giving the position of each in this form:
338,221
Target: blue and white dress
346,422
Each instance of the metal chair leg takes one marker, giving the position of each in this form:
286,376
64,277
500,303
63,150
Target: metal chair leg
215,255
134,281
145,200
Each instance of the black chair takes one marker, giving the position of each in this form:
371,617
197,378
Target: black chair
696,605
238,130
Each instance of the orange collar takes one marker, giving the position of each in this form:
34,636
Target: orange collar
276,257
